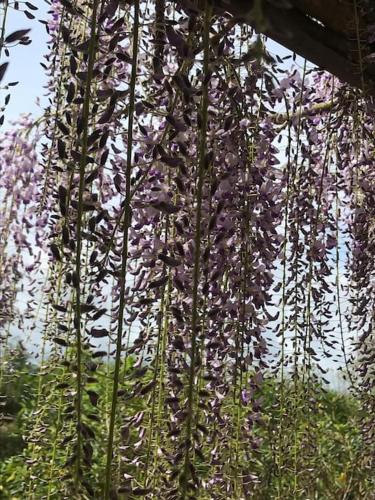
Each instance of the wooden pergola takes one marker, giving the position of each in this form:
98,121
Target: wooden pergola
332,34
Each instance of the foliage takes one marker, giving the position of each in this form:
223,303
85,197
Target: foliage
16,398
338,444
189,227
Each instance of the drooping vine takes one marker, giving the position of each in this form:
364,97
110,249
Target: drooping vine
173,235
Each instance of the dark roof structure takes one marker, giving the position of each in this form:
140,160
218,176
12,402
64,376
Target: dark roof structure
332,34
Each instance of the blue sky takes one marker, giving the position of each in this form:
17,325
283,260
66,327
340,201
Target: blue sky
24,63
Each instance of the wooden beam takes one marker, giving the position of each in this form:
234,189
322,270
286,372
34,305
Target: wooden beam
336,15
296,29
322,31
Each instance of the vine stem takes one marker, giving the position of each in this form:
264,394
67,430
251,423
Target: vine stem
338,282
3,25
124,253
158,376
308,314
82,169
284,250
295,179
52,149
197,251
58,429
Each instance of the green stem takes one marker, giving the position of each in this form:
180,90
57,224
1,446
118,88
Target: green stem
338,284
124,256
3,24
82,169
295,186
52,149
280,459
197,254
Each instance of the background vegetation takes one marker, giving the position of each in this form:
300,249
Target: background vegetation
337,442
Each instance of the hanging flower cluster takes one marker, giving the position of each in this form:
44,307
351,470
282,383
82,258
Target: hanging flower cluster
195,240
21,228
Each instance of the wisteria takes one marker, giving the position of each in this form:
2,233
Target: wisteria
187,241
